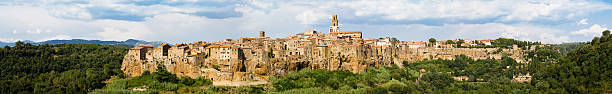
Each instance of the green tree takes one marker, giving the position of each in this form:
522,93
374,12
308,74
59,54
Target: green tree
61,68
450,42
432,41
438,80
461,41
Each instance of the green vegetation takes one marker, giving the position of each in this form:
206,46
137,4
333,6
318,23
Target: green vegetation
565,48
161,81
450,42
460,42
432,41
583,70
437,79
503,42
62,68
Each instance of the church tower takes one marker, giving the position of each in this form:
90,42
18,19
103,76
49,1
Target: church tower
262,34
334,27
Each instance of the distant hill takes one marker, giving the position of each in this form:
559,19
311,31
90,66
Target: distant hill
130,42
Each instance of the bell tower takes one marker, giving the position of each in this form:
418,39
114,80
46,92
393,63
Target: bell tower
334,27
262,34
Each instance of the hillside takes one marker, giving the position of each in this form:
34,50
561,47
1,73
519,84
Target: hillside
129,42
60,68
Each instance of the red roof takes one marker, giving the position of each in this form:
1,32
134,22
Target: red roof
345,32
163,44
146,45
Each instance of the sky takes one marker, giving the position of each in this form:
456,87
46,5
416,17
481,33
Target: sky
182,21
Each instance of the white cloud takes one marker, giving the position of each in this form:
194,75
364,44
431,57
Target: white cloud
526,32
121,30
521,10
311,17
593,31
499,10
77,11
35,31
57,37
284,18
8,40
420,32
582,22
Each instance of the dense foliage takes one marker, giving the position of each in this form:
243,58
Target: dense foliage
437,79
587,69
61,68
156,82
565,48
504,43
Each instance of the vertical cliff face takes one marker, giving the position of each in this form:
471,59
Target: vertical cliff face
232,63
132,64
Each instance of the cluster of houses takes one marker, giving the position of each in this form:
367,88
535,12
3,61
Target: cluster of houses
256,58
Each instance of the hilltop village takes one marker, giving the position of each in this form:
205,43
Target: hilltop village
257,58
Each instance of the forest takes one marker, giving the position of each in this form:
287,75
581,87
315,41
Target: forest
91,68
61,68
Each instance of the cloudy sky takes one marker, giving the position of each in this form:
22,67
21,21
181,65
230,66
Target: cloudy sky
174,21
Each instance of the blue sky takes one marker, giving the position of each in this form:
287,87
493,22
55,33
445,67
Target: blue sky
175,21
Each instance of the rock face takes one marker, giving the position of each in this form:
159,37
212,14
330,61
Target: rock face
258,58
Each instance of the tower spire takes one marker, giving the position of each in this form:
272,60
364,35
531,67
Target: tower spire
334,27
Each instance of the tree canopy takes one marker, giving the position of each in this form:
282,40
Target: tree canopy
62,68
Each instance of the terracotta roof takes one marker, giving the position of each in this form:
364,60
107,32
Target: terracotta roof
213,46
179,44
199,41
204,44
345,32
136,48
163,44
369,39
226,46
247,38
146,45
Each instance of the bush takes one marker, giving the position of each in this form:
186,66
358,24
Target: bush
118,84
250,90
200,81
186,81
163,86
216,67
439,80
